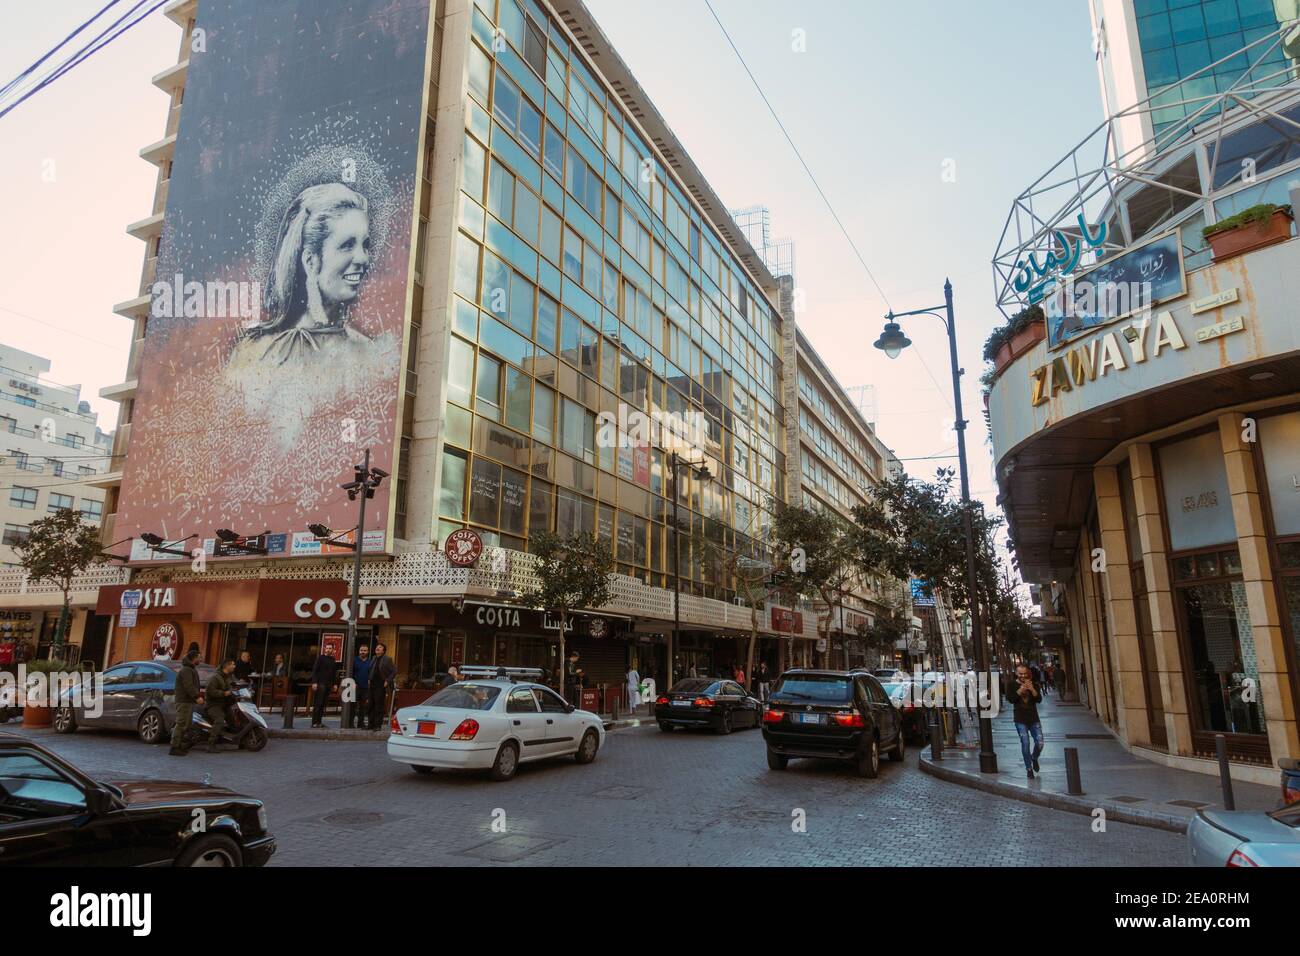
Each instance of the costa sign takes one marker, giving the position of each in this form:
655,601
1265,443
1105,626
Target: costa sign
328,609
463,548
166,643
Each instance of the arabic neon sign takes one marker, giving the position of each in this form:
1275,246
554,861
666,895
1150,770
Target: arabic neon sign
1036,281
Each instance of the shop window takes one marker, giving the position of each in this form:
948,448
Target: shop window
1198,507
485,492
1225,668
1279,444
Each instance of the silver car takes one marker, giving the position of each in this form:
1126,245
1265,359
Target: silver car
1245,838
136,695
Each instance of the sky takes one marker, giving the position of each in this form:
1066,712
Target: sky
921,121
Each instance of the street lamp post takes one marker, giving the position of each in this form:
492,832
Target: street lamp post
892,341
702,470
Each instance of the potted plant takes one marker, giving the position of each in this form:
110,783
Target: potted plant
1253,228
36,714
1022,332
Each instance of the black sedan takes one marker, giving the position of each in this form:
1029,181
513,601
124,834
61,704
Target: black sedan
51,814
136,695
832,715
714,702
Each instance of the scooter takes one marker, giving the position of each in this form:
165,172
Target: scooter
9,708
245,725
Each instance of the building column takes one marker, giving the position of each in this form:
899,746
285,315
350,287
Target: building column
1126,647
1098,684
1164,619
1275,693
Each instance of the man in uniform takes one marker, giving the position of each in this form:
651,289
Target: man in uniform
187,695
219,694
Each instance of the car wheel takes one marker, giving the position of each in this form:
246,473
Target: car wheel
587,749
150,727
254,740
421,769
900,748
211,850
775,761
724,723
65,721
507,762
666,728
869,762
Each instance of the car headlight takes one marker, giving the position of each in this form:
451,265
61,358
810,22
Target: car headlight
262,819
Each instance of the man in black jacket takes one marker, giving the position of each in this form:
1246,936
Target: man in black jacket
1025,695
218,694
187,695
322,682
382,672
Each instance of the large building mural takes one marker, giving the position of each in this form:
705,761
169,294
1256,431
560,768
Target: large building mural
274,349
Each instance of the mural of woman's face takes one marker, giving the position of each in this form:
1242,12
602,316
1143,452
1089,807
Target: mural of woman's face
344,257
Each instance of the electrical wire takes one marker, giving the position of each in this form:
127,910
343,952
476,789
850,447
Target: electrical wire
102,40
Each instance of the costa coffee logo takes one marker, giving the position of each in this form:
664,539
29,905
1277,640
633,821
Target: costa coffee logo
598,627
463,548
166,644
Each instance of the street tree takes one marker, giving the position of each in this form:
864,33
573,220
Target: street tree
58,548
831,552
575,573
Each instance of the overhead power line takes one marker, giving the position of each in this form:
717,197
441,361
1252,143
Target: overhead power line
101,40
789,139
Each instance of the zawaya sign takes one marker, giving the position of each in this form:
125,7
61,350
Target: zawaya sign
1113,352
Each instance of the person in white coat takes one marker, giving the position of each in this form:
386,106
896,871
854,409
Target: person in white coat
633,687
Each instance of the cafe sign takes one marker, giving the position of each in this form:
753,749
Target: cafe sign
463,548
1113,352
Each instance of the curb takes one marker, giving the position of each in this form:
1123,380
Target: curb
1055,801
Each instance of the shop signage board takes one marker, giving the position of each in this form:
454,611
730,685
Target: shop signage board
331,645
166,642
1131,282
463,547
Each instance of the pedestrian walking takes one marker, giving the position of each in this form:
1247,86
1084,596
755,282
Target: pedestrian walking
382,672
1083,685
738,675
218,694
361,677
633,687
187,695
1025,696
763,679
323,670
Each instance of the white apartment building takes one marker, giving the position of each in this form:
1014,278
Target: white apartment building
51,447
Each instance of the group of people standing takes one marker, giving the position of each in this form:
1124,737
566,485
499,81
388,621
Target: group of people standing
373,675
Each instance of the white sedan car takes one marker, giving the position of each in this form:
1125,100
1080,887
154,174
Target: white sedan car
492,724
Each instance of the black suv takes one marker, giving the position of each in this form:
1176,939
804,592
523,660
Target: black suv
52,814
831,715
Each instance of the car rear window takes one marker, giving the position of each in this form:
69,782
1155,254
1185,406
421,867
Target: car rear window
692,685
465,696
827,688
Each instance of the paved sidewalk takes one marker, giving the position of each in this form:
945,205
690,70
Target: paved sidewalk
1130,789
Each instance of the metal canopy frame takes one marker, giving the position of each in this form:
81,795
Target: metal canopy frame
1094,177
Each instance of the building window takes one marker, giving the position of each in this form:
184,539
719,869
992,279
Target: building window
57,502
23,497
91,509
1224,665
15,534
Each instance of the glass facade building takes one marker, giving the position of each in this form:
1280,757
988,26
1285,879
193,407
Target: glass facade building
1178,38
589,290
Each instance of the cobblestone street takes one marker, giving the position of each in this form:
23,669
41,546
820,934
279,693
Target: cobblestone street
649,799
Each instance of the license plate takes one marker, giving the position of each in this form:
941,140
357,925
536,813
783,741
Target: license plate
810,718
428,727
681,703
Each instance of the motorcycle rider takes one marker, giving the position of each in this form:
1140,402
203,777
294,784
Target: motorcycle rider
219,694
187,695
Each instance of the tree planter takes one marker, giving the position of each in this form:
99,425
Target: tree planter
1230,243
1020,343
37,717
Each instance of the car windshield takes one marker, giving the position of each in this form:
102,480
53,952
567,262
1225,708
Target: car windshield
824,688
693,685
465,696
